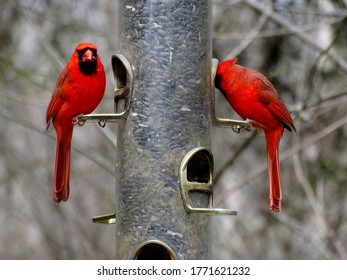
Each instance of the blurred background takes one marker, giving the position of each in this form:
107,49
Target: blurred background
300,45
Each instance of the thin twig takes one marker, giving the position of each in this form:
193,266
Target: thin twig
96,158
249,38
279,31
317,207
300,228
308,40
234,156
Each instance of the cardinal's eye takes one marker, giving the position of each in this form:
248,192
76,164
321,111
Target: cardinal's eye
80,53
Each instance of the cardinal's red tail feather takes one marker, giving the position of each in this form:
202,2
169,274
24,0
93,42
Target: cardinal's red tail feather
275,193
61,187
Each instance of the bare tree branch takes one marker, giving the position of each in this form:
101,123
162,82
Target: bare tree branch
317,208
285,155
249,38
279,19
279,31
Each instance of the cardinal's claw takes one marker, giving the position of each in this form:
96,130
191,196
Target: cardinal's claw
76,120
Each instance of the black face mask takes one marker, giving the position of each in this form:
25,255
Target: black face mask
87,67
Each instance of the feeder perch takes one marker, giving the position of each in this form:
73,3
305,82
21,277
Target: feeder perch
123,77
196,174
105,219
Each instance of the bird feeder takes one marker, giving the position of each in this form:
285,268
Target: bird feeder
164,109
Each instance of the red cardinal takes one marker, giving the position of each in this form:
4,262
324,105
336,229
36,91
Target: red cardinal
253,97
79,89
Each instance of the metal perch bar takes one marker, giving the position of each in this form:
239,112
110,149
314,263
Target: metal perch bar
100,118
105,219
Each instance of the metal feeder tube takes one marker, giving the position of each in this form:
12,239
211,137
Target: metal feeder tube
168,45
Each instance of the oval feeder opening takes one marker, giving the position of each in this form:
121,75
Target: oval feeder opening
200,167
123,78
154,250
199,170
